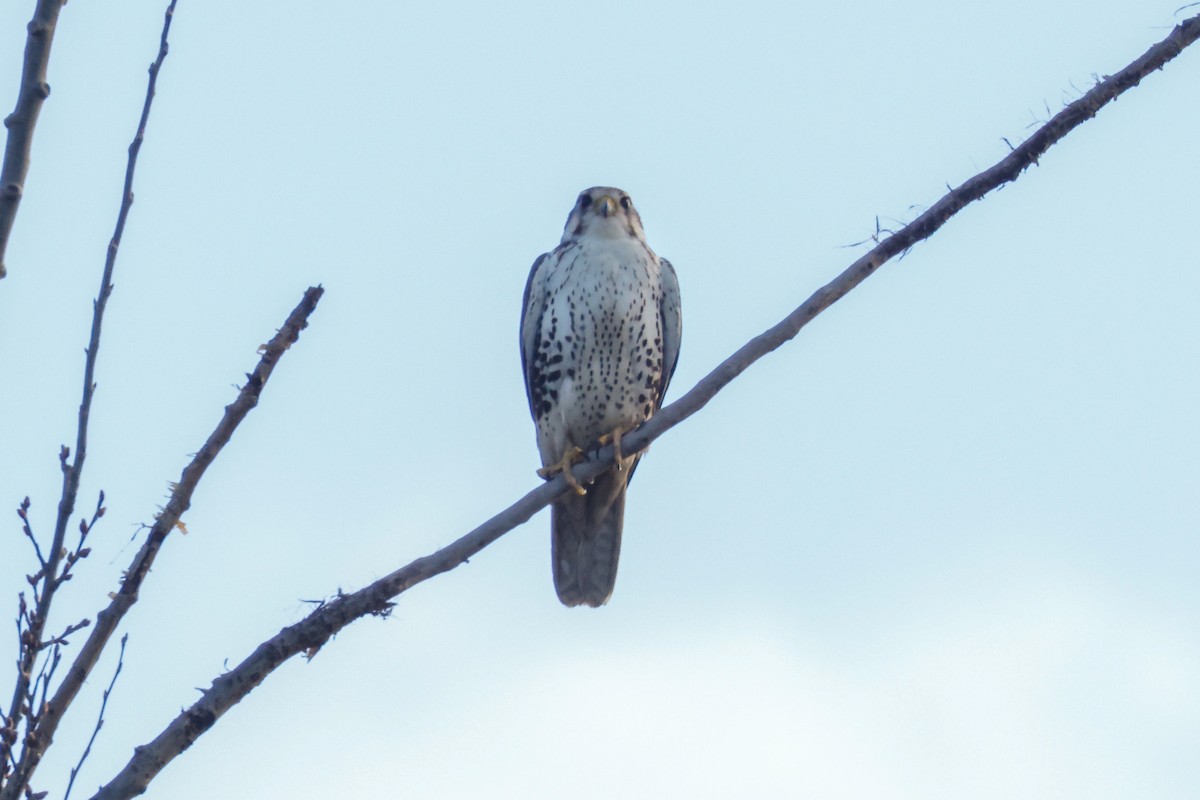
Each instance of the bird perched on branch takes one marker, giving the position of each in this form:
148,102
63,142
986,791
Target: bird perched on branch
600,331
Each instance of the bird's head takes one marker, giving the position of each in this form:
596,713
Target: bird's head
603,211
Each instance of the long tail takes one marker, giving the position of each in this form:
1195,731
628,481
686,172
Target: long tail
586,540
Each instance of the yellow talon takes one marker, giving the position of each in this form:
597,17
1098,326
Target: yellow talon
614,439
572,456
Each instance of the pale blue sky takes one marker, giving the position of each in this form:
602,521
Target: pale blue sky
941,546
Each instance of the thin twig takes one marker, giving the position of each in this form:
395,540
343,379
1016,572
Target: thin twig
73,471
23,513
37,704
86,527
21,122
99,719
61,639
310,634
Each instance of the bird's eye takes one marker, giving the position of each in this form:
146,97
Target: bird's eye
626,203
585,200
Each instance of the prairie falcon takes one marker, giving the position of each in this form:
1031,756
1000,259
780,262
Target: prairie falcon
600,331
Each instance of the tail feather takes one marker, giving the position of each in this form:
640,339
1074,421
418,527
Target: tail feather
586,540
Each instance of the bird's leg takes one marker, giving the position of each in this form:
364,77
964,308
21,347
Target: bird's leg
614,439
571,457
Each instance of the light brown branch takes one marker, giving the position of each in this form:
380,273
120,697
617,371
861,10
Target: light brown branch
21,122
310,634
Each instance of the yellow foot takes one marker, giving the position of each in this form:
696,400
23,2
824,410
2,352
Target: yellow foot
614,439
570,458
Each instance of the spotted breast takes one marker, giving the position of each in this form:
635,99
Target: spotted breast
600,334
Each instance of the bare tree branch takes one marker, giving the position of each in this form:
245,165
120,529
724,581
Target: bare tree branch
1005,171
50,576
23,513
99,718
168,520
21,122
310,634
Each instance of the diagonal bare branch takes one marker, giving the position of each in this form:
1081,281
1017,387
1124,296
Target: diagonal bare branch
168,520
1005,171
21,122
311,633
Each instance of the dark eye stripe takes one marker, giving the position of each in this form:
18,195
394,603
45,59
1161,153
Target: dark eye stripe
585,200
625,203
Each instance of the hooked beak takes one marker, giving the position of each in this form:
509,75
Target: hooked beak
606,206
